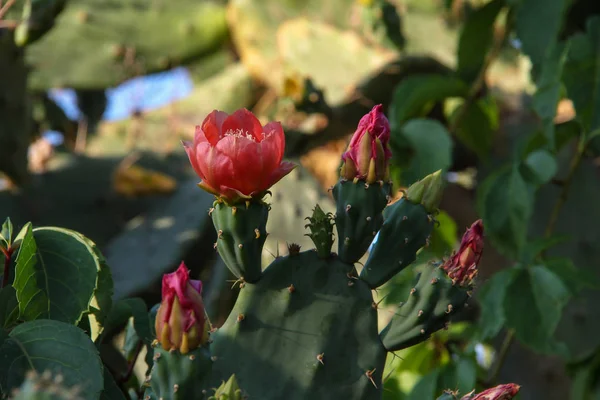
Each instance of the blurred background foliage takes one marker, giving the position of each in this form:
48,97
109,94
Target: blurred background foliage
503,95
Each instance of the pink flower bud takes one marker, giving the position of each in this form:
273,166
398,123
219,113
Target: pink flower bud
368,154
181,321
462,265
500,392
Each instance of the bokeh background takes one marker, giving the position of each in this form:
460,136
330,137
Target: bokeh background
96,96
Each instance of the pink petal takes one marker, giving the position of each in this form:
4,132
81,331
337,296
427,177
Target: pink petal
245,121
285,168
212,126
191,153
244,165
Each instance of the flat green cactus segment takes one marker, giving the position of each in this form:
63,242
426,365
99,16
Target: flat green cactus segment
318,41
241,235
15,110
358,216
306,330
97,44
429,307
335,59
177,376
405,230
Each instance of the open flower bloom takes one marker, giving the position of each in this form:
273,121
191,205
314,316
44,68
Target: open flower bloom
500,392
368,154
181,321
462,265
236,157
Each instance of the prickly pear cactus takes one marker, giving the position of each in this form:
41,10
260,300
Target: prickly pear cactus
45,387
276,39
309,321
189,30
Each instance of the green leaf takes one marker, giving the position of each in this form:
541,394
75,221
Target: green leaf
538,23
539,167
476,38
432,148
477,126
581,75
460,374
6,234
533,307
491,299
111,389
58,347
575,279
9,307
426,387
565,132
505,203
123,310
547,95
416,92
535,247
101,303
56,275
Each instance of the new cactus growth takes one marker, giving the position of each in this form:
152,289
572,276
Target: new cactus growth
45,387
229,390
307,326
321,231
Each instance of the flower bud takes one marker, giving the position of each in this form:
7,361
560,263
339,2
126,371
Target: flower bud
461,267
181,321
500,392
368,154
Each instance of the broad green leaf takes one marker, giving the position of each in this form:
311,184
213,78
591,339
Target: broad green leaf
56,275
477,126
123,310
476,38
432,148
426,387
536,246
581,74
575,279
491,299
9,307
58,347
547,95
111,389
538,24
539,167
533,307
505,205
6,234
415,93
459,375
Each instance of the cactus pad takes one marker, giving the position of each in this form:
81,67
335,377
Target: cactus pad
306,329
403,233
176,376
358,216
430,304
241,235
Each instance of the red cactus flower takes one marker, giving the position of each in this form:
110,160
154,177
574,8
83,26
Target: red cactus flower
462,265
181,321
368,154
500,392
236,157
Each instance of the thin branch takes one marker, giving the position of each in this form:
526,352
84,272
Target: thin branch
5,7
